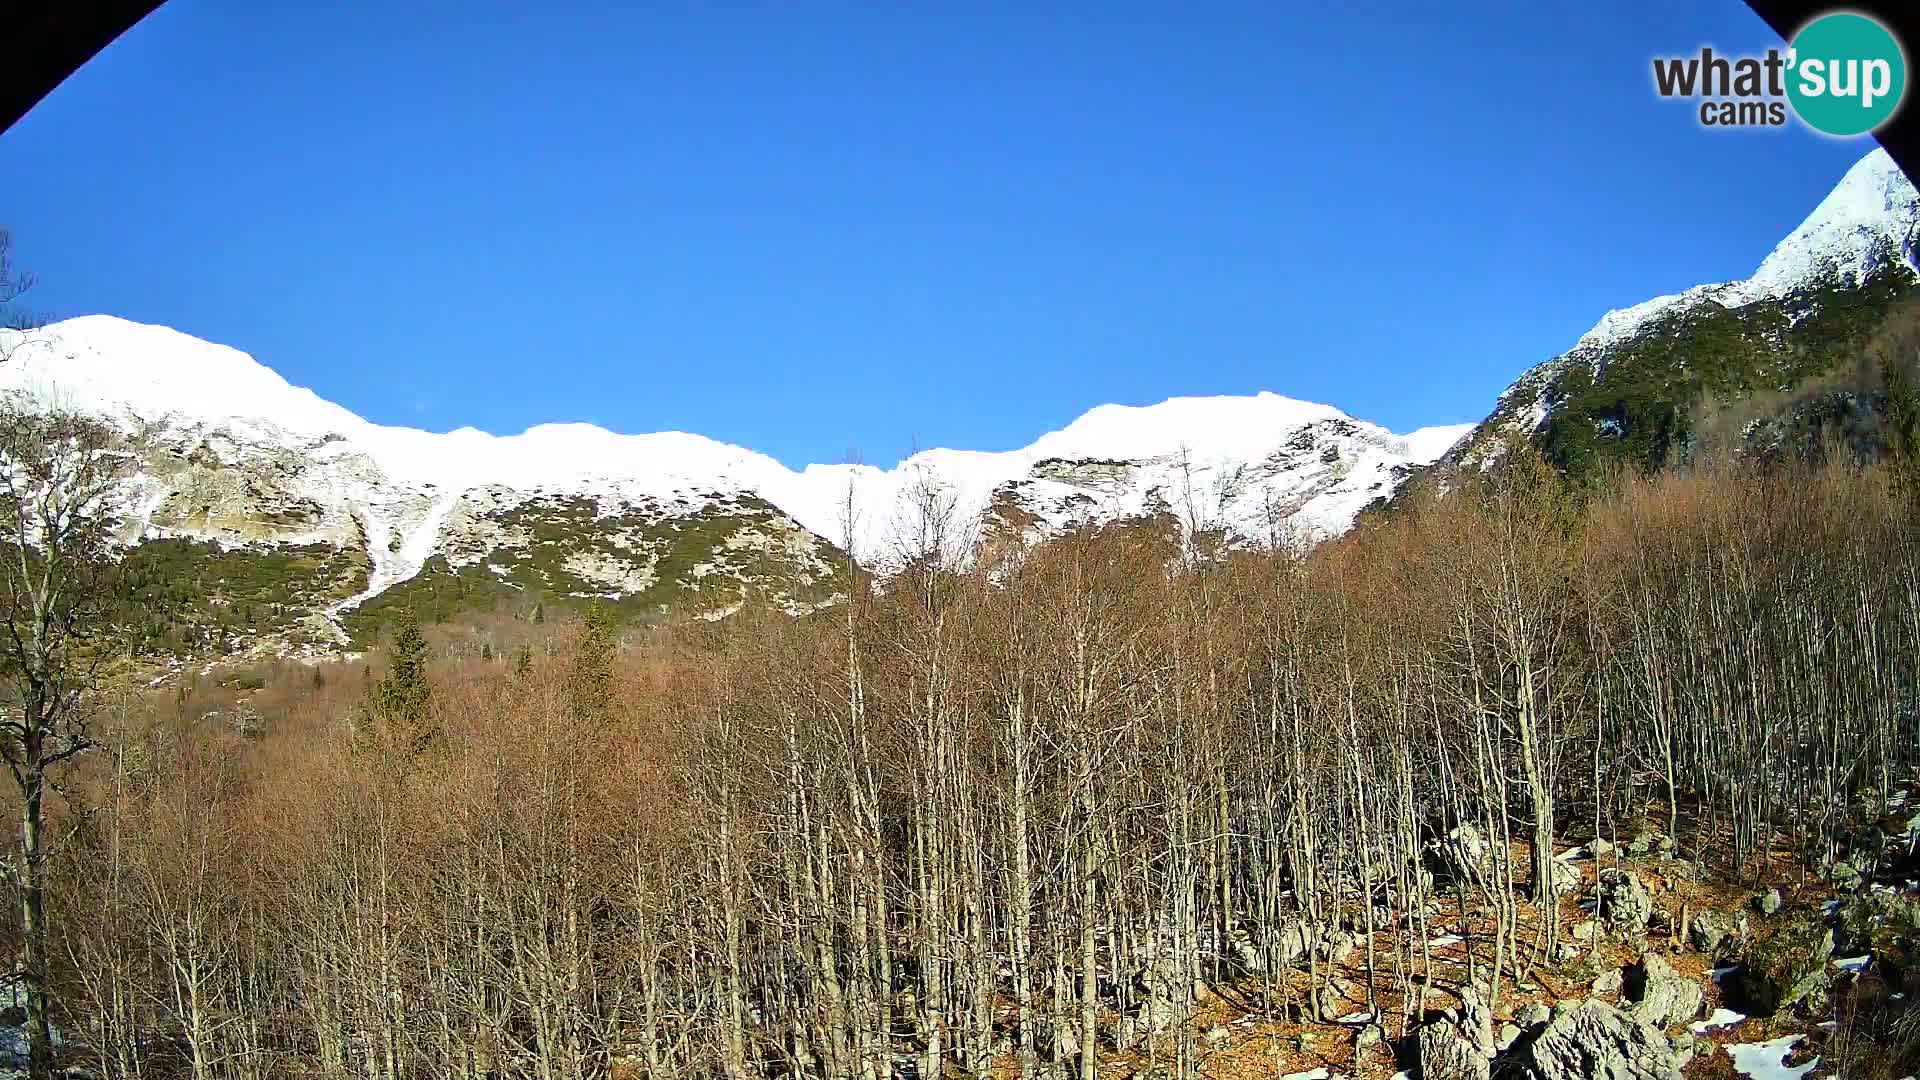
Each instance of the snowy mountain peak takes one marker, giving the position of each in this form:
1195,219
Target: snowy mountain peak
152,372
1198,426
1872,215
1865,229
1872,190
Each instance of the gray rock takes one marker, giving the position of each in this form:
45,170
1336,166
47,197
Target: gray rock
1661,996
1609,983
1250,945
1660,919
1369,1036
1600,846
1339,946
1459,1045
1292,944
1532,1016
1218,1037
1585,930
1592,1040
1464,855
1686,1046
1476,1018
1623,902
1165,1005
1566,877
1767,903
1509,1034
1328,1002
1846,875
1241,946
1706,932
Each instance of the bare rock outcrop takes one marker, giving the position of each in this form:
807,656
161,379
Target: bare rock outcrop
1592,1040
1459,1044
1661,996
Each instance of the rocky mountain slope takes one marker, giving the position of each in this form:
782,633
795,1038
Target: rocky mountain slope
264,511
1636,387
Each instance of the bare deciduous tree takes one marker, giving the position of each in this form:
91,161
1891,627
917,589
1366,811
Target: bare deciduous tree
60,476
16,323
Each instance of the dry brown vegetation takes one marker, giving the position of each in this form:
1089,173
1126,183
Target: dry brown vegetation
1059,814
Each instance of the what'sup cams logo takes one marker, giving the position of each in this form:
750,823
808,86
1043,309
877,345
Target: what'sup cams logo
1843,74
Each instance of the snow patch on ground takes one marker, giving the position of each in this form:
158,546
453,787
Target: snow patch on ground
1721,1018
1767,1060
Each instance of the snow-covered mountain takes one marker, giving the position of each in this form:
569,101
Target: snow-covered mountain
1864,234
244,460
290,513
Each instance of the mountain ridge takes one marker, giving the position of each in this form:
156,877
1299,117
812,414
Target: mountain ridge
240,458
243,377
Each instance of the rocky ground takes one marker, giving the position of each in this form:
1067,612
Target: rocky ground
1662,971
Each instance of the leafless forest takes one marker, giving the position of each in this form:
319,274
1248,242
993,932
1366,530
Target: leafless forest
1017,816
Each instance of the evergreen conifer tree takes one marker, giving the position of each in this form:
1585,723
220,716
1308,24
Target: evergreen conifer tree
591,689
400,703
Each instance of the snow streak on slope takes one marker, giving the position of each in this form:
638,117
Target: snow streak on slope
1219,458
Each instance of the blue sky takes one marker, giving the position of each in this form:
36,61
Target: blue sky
826,228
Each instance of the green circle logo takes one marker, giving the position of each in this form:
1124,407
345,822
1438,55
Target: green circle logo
1846,74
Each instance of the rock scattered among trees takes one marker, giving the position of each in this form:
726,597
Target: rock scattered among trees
1107,796
1592,1040
1624,904
1460,1043
1661,996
